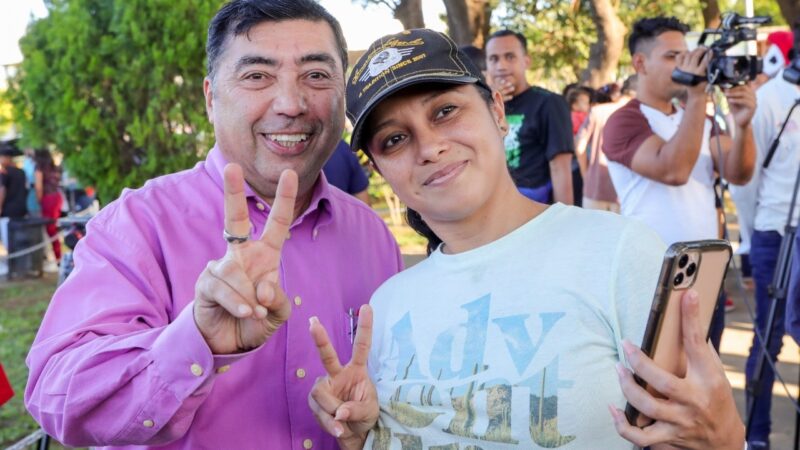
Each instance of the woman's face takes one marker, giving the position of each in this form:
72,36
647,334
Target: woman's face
440,148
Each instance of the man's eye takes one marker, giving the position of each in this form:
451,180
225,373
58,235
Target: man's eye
318,76
255,76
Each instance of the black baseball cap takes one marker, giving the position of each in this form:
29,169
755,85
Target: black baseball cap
401,60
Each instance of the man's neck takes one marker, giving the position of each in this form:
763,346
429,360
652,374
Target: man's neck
655,102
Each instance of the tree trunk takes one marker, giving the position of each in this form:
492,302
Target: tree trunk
791,12
711,13
604,54
468,21
409,13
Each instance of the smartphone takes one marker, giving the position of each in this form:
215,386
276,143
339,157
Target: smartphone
698,265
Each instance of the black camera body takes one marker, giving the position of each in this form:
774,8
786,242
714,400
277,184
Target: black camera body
725,70
792,72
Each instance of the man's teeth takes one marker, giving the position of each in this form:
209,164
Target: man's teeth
288,140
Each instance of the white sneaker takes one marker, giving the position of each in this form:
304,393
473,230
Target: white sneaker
50,267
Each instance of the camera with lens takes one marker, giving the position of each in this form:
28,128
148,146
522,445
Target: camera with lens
726,70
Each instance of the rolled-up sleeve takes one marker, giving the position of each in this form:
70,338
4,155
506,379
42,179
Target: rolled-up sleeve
108,366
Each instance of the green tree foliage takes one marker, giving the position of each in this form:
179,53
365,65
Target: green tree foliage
560,32
116,86
6,117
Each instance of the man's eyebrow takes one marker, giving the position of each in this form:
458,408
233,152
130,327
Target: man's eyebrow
252,60
321,57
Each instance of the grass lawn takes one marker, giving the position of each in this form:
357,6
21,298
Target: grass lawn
23,304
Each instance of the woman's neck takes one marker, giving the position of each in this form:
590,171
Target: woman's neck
504,213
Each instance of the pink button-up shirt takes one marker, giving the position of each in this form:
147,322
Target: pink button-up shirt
119,361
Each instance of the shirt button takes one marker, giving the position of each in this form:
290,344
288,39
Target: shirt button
260,206
196,370
307,444
148,423
316,232
298,301
301,373
224,368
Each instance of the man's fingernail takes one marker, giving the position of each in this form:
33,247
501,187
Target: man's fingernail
339,431
620,369
312,320
261,312
245,310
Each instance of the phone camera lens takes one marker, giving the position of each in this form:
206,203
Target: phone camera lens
691,269
683,261
678,279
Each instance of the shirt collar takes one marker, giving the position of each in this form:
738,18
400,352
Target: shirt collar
320,199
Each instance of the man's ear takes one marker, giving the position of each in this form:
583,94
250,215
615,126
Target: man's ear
208,91
638,63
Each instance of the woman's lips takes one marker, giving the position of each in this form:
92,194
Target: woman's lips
445,174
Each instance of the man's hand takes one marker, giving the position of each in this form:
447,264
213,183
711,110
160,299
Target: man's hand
742,100
504,85
239,303
698,411
695,62
345,402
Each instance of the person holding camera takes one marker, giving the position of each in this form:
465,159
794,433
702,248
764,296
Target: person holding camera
663,157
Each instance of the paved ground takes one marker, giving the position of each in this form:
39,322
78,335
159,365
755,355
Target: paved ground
736,342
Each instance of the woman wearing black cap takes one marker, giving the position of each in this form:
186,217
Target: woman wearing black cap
513,333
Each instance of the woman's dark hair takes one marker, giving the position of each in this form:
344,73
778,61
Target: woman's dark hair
239,16
43,159
413,218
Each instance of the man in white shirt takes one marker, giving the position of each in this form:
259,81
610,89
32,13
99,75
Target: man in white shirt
663,158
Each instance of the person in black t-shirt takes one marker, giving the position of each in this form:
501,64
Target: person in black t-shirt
13,195
539,145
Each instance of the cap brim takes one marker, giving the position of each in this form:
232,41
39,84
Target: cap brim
355,140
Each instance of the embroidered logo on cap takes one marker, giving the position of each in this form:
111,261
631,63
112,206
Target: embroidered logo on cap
383,60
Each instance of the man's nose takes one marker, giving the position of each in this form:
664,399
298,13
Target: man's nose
290,100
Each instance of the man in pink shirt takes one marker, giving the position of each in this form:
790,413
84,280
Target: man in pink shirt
166,335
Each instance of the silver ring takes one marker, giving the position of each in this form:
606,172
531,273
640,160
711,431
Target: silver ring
234,239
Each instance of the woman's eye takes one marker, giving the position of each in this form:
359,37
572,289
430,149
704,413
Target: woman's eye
392,141
445,111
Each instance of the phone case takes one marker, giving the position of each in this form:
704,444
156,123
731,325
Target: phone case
662,340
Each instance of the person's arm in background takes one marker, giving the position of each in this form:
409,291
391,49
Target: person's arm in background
582,139
38,184
738,154
561,177
559,147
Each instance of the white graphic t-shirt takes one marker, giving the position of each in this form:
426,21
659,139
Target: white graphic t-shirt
513,344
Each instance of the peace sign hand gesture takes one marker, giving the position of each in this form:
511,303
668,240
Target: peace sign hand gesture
345,402
239,303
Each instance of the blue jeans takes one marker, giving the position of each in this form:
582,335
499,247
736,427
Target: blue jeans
717,325
764,249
